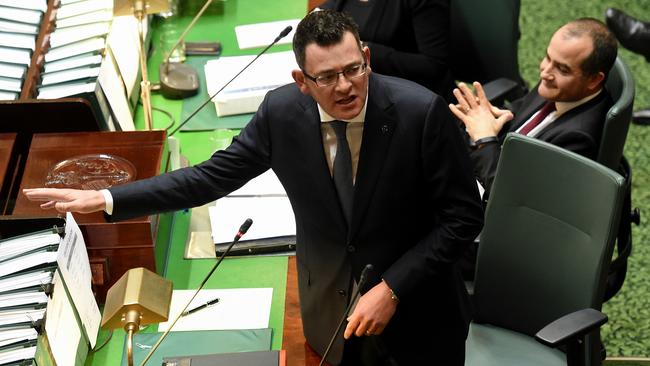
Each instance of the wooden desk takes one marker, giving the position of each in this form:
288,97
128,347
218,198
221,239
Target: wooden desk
299,353
113,248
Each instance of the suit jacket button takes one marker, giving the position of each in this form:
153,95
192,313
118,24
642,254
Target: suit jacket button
341,292
351,248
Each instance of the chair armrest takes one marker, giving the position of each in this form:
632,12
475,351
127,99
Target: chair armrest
571,326
502,89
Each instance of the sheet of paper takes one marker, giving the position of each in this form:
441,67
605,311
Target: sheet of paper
17,354
115,90
88,18
9,317
9,26
75,269
22,298
27,261
20,15
262,34
12,71
8,95
27,41
64,36
57,77
272,217
64,90
88,59
247,91
62,329
242,308
265,184
83,7
15,56
40,5
74,49
29,279
21,245
123,41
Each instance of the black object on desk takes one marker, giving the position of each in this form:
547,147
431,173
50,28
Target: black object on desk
201,307
203,48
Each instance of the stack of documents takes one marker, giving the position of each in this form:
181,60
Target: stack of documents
264,200
40,275
19,26
245,94
80,64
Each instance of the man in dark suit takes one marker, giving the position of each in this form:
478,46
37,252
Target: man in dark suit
409,208
567,108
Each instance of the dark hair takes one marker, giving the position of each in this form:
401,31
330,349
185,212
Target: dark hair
323,27
605,47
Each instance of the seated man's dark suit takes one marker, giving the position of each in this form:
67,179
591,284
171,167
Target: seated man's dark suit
416,207
578,130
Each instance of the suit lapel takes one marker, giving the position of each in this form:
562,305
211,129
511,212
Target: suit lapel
377,133
316,163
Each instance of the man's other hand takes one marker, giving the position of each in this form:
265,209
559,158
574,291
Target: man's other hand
372,313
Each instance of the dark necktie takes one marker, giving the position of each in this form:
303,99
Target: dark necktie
343,169
545,111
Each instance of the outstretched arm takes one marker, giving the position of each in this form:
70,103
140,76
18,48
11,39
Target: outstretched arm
67,200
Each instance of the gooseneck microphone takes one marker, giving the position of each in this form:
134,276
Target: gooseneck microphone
242,230
282,34
353,299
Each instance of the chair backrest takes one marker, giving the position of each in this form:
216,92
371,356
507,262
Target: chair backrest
549,230
620,84
483,40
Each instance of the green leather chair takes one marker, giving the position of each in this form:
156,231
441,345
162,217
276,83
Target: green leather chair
483,46
620,84
549,232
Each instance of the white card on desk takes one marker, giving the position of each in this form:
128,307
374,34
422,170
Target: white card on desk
262,34
239,308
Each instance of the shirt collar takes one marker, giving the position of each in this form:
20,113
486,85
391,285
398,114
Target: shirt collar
361,117
563,107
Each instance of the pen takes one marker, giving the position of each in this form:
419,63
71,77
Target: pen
202,306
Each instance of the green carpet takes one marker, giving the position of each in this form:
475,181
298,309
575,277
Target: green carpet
628,330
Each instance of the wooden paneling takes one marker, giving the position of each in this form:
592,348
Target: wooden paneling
113,248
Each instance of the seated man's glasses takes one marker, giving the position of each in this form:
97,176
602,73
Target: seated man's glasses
330,78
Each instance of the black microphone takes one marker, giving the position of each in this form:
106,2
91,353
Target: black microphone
282,34
242,230
353,299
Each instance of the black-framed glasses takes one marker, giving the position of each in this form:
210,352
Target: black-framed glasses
330,78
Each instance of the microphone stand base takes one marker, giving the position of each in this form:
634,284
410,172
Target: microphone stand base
178,80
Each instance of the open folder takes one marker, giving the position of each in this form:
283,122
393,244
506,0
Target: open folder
198,343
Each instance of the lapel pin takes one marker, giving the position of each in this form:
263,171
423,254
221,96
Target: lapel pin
384,129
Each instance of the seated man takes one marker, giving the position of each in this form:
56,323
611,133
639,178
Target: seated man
567,108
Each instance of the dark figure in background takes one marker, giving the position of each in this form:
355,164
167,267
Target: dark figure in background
407,38
634,35
410,206
567,108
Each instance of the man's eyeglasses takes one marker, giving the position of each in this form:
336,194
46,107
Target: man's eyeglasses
331,78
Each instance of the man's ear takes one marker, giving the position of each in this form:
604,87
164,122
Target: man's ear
299,78
366,52
596,81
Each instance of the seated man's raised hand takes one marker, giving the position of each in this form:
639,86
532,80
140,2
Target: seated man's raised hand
480,117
